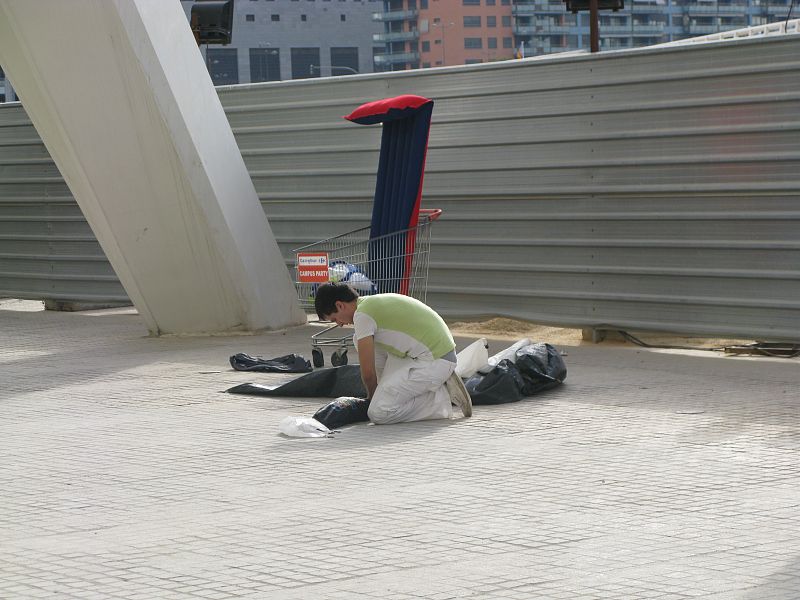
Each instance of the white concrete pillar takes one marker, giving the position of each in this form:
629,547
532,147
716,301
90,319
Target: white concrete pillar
118,91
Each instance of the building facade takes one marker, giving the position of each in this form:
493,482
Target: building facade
294,39
444,32
426,33
7,93
544,26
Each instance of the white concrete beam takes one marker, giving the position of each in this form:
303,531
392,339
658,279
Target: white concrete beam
118,91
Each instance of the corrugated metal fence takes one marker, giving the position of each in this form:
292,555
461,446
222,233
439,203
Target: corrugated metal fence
649,189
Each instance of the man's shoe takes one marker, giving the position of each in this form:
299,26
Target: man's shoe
459,394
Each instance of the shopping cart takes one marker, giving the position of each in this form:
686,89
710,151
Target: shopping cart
396,262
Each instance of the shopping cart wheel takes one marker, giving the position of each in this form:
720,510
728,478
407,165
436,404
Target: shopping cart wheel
317,358
339,357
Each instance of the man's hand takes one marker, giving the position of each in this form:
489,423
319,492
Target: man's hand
366,358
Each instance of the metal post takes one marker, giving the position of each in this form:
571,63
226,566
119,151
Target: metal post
594,27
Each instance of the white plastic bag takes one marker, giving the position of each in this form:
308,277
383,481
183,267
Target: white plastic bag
509,353
473,357
303,427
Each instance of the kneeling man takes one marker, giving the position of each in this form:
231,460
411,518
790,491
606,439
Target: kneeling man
406,352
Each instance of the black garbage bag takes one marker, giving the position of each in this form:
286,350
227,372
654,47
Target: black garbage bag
503,384
541,366
291,363
322,383
343,411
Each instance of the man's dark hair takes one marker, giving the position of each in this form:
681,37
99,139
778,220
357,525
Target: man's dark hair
328,294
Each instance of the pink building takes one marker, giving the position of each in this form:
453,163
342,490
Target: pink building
444,32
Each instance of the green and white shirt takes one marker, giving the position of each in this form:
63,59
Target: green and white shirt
403,326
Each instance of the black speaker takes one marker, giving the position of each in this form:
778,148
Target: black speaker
212,21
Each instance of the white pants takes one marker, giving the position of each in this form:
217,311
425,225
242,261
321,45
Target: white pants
410,390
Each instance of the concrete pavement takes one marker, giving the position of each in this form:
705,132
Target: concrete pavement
126,473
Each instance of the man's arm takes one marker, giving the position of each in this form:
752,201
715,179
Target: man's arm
366,358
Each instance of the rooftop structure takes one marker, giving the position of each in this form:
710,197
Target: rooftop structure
273,41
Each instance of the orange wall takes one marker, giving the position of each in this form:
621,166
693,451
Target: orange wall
447,38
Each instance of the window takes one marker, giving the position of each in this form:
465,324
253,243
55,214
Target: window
250,18
436,20
265,64
344,61
491,42
491,2
507,42
472,21
426,65
473,43
304,17
275,18
423,4
506,20
471,2
473,61
343,17
505,2
302,61
491,21
426,46
223,65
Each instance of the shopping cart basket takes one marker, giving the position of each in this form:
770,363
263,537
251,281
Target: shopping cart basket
395,262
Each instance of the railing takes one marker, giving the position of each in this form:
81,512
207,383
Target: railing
395,58
395,15
545,29
529,10
703,28
649,29
395,36
717,9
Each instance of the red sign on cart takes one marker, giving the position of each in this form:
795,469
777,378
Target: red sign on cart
312,267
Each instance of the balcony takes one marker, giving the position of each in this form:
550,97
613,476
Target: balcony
544,29
397,58
395,15
714,9
649,29
703,29
636,30
395,36
529,10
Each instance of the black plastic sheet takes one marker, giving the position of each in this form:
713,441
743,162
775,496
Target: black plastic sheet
542,367
291,363
343,411
501,385
322,383
537,367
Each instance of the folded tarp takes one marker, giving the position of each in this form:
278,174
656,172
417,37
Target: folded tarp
322,383
291,363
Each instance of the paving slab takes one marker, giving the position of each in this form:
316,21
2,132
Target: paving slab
126,472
